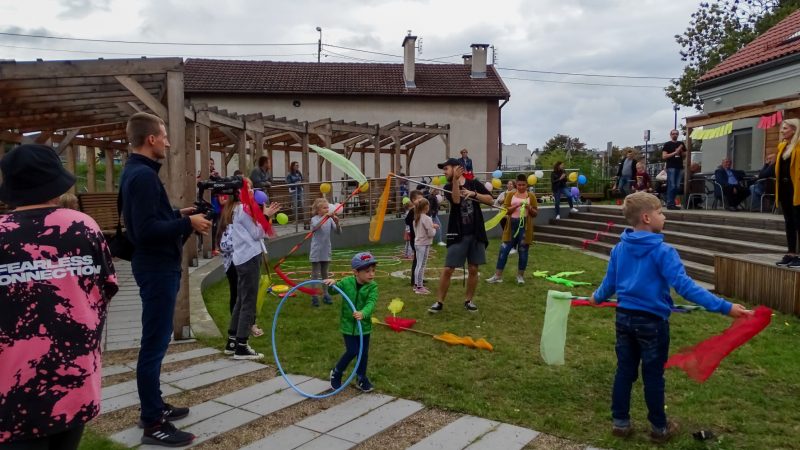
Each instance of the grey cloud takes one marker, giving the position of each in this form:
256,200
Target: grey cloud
78,9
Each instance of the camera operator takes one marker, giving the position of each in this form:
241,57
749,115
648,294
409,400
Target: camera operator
157,233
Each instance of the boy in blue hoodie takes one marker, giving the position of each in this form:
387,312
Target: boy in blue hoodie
641,270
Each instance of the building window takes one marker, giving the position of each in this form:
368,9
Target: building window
740,148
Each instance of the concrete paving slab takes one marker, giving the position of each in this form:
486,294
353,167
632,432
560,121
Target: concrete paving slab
344,412
505,436
327,442
197,369
204,379
285,438
131,399
376,421
285,398
260,390
191,354
132,436
214,426
115,370
456,435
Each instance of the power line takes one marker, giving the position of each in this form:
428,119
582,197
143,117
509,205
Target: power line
150,54
586,84
584,74
115,41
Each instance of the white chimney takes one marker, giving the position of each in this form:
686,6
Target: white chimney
479,60
409,45
467,59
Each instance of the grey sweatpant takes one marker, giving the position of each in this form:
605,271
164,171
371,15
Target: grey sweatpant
244,312
319,271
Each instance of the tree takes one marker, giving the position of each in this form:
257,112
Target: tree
717,30
563,142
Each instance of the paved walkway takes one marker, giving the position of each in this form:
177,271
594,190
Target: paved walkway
347,424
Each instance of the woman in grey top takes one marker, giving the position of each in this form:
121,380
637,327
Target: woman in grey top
321,253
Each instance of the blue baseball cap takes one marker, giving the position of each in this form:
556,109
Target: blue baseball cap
363,260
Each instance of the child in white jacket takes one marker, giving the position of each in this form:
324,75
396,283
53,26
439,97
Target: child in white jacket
425,230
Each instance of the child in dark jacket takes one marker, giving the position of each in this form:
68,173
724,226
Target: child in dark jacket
363,292
641,271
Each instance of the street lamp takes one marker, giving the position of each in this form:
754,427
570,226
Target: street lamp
675,108
319,43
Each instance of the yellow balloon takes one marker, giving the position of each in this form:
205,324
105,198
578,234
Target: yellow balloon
435,181
573,177
364,186
532,179
326,187
496,183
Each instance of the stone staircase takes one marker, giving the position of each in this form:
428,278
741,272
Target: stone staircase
696,234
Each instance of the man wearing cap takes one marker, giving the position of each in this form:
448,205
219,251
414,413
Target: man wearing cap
466,234
56,279
158,233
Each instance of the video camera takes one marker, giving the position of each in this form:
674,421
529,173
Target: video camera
217,185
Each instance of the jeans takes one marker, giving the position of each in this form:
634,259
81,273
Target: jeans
516,241
351,352
158,291
233,282
644,339
624,185
557,198
439,233
673,183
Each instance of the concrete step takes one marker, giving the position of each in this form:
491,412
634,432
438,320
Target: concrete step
761,221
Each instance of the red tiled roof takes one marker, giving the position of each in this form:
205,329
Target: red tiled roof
767,47
270,77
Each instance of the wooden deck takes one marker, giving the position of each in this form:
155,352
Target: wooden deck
756,280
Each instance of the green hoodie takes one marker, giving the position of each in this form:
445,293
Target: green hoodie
364,299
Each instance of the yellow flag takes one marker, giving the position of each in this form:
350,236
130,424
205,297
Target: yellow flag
491,223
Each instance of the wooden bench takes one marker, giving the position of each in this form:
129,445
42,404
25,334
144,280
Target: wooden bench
102,207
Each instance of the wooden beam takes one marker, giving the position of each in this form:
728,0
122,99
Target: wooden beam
89,68
109,184
67,141
144,96
699,121
91,178
221,119
306,169
190,147
72,165
377,155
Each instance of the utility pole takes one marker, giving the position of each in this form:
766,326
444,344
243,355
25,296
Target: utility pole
319,43
675,108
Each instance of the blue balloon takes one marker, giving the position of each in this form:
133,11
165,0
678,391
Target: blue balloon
497,173
581,179
260,197
575,192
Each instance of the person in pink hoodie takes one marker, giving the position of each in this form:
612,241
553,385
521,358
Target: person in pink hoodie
56,279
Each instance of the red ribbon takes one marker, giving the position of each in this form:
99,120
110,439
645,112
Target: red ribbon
254,211
586,242
399,324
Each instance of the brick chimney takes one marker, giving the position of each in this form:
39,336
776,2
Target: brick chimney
409,45
479,60
467,59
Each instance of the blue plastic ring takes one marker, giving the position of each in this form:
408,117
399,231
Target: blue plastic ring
275,346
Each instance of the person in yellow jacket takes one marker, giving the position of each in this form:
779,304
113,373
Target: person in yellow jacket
518,231
787,188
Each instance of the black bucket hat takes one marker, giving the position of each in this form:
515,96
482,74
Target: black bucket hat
33,174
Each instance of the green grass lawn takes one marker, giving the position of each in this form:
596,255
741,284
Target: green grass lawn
750,402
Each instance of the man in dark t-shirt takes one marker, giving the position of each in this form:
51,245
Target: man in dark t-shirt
673,153
466,234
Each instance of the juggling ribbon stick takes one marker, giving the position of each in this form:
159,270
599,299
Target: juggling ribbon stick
449,338
700,361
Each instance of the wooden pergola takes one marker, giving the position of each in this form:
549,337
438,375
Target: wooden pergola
74,104
789,106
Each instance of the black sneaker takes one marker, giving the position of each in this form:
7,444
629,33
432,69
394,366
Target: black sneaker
662,436
436,307
469,306
784,261
364,384
336,379
230,346
244,351
164,433
794,263
170,413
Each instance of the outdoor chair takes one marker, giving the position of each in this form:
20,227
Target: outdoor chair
703,190
768,192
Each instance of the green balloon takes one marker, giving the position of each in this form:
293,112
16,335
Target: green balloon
406,200
442,180
282,218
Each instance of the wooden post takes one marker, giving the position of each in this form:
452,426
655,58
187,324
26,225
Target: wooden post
376,144
408,161
363,161
204,135
241,149
2,154
91,179
71,165
396,159
190,249
306,169
109,170
123,158
328,167
180,189
287,158
686,175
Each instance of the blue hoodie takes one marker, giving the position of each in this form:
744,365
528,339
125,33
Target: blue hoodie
642,269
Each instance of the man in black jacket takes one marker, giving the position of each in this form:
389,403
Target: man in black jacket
731,182
158,233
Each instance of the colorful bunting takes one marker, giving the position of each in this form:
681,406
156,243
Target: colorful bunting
770,120
723,130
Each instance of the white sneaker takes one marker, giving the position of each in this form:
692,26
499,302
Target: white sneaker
442,244
513,251
494,279
520,279
558,216
574,210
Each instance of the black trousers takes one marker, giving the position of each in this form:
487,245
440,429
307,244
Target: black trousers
66,440
791,215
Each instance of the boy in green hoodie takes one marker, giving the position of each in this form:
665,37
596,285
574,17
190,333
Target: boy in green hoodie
363,292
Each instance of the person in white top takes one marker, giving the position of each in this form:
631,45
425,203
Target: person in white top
424,230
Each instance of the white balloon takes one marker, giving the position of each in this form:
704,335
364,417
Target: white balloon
539,174
332,207
439,198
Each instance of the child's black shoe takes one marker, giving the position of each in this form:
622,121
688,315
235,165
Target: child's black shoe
364,384
336,379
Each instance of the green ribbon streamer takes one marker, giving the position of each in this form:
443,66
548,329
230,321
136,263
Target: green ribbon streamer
554,330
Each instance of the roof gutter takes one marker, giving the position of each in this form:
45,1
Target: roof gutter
500,133
744,73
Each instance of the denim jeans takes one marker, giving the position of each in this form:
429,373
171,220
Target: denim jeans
624,185
439,233
644,339
516,241
557,198
159,291
351,352
673,183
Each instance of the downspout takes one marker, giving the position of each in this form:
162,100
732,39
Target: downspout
500,133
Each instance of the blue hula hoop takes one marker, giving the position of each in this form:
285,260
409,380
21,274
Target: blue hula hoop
275,346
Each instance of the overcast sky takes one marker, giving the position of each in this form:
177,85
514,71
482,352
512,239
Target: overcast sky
610,37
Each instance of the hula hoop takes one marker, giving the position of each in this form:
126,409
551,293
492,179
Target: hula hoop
275,347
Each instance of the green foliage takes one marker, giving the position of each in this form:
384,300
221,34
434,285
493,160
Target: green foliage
717,30
750,402
563,142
